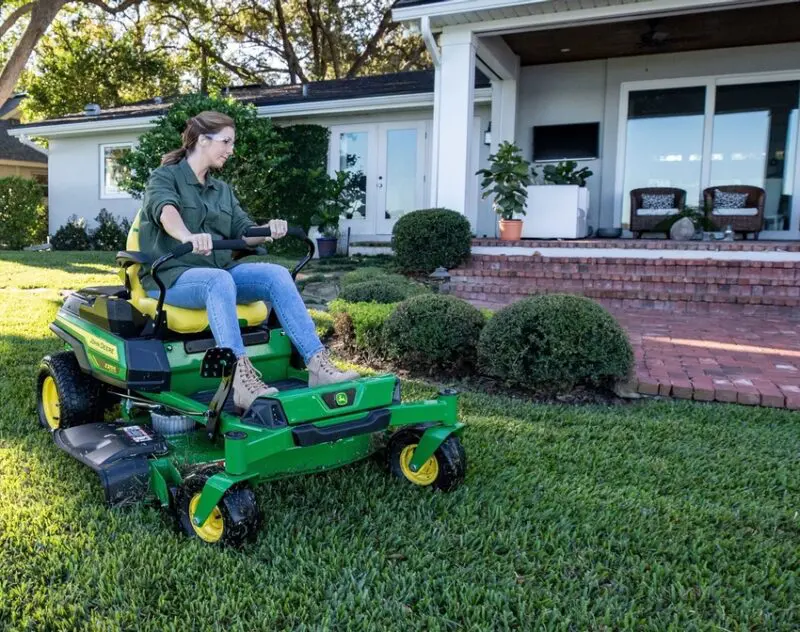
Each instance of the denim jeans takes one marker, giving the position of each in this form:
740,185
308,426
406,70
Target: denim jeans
220,290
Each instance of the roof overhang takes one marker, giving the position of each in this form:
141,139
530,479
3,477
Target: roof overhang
284,110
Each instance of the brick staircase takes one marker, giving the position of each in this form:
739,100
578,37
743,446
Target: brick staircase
679,285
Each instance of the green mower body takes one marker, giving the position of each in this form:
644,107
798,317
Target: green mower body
181,443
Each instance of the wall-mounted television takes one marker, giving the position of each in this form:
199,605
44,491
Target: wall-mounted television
578,141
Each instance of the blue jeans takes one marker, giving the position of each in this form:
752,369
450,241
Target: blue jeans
220,290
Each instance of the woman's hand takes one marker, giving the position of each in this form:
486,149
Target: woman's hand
201,243
277,229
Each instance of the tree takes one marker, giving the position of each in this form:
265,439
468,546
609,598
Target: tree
83,60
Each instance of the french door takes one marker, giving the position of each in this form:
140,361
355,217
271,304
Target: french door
390,160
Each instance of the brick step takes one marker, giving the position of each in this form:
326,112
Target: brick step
763,276
634,301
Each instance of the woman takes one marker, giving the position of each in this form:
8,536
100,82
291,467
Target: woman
184,204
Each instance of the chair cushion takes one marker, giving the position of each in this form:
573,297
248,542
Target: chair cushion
191,321
656,211
751,212
726,200
658,200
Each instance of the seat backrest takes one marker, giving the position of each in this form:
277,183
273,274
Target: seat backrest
132,244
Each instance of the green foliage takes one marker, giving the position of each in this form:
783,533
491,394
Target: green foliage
109,234
275,172
434,331
506,179
82,60
72,235
360,325
343,195
359,275
699,217
323,323
23,215
555,341
566,172
426,239
378,290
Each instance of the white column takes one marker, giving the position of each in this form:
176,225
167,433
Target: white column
453,134
504,112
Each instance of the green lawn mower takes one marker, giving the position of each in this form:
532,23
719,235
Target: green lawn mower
181,443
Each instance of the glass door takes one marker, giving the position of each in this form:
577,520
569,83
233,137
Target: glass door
353,149
401,178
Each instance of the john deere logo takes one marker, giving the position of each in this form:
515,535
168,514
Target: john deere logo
341,399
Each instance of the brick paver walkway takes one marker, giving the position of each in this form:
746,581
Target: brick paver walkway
754,361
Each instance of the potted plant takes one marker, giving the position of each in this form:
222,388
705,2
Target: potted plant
342,195
559,204
507,179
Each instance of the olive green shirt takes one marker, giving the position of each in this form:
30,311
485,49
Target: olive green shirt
205,208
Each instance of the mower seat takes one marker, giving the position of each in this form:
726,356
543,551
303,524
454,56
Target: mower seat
179,319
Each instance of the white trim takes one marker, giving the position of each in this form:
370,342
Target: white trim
710,83
121,195
455,6
83,127
25,140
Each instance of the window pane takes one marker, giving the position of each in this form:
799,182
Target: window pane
353,156
755,131
665,141
112,169
401,172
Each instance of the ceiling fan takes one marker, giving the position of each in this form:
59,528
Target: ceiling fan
658,37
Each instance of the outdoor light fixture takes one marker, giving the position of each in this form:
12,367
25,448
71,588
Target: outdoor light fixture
487,135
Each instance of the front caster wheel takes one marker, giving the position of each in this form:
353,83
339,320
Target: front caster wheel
444,470
234,521
65,395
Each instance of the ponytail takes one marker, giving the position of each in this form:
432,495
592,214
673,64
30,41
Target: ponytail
209,122
174,157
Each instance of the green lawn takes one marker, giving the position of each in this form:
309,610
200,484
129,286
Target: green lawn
650,516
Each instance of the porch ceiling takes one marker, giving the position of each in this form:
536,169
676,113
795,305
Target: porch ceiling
770,24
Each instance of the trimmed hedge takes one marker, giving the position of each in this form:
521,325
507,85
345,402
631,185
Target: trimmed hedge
360,325
360,275
554,341
391,288
23,215
434,331
426,239
323,322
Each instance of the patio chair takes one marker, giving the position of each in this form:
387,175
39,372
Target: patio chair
737,205
651,206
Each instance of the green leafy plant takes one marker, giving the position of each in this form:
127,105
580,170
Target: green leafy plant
343,194
699,217
434,331
384,289
566,172
425,239
72,235
554,342
23,214
359,326
109,234
506,179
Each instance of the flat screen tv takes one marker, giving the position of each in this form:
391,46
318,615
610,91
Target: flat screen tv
579,141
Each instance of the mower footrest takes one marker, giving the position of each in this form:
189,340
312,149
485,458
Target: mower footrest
117,453
309,434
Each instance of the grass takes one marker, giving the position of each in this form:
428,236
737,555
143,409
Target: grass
651,516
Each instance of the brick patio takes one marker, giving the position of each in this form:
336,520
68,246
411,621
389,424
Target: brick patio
753,361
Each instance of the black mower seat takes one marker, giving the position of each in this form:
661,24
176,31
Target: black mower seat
180,319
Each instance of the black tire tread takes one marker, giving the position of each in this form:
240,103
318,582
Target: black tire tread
81,397
450,454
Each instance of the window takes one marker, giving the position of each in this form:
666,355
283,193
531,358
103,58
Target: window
111,171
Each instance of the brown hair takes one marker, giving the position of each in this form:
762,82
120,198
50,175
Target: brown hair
208,122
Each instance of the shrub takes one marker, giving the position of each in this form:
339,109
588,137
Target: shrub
362,274
109,235
23,214
381,290
72,235
360,325
554,342
323,323
424,240
434,331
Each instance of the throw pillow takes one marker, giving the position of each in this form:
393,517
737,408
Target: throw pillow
658,200
723,199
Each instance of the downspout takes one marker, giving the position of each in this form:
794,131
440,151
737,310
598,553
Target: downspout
433,49
26,140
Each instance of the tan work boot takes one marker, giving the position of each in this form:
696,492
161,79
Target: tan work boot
247,384
321,371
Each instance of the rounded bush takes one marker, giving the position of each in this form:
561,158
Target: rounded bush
554,341
362,274
424,240
72,235
378,291
23,216
434,331
109,234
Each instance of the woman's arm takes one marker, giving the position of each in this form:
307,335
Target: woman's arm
172,222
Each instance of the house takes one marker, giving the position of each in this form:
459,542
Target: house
26,160
686,93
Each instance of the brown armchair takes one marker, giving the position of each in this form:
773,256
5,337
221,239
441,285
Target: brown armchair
642,219
749,219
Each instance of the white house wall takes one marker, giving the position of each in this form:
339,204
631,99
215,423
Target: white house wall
590,91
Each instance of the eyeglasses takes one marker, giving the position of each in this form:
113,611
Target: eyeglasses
225,140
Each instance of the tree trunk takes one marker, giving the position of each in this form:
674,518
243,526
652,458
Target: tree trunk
42,15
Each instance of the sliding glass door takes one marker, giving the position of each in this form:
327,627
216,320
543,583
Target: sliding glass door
722,132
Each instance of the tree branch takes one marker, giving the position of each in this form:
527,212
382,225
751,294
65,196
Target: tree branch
295,70
385,27
11,20
112,10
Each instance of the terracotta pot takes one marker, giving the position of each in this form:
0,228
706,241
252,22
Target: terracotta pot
510,229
